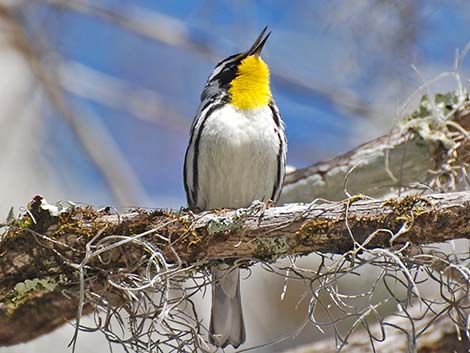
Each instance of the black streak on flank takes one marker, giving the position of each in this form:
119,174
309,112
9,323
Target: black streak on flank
277,184
196,151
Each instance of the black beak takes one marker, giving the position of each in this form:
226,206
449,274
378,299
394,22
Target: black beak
259,43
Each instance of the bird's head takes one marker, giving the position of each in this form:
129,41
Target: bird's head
244,76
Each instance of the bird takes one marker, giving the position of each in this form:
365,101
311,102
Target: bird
235,156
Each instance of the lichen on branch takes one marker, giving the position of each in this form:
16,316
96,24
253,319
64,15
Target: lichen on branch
50,256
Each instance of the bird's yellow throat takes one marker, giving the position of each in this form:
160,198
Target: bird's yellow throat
250,88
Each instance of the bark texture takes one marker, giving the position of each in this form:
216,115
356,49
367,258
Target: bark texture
41,253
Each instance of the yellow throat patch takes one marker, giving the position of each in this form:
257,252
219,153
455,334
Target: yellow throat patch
250,88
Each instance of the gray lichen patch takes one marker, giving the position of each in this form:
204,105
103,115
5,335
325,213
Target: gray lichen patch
271,248
443,124
222,225
428,121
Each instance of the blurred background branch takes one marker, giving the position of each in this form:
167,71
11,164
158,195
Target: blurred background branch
93,136
172,32
440,335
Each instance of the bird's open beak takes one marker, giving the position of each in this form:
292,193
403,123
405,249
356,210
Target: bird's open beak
259,43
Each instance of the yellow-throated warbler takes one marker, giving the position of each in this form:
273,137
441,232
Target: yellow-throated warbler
236,154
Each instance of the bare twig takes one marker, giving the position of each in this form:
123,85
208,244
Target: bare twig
93,136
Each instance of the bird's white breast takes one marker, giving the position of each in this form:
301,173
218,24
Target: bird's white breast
237,158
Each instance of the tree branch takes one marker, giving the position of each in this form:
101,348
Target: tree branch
57,245
402,160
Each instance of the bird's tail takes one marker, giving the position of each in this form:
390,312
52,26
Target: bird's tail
226,325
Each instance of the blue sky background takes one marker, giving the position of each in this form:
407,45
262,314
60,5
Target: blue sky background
359,50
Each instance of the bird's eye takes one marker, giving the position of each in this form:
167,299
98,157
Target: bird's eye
226,75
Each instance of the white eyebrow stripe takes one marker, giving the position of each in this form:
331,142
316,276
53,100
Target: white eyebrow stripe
223,64
217,70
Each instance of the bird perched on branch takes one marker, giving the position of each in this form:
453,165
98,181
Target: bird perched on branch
236,155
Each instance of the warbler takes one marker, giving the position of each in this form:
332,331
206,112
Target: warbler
236,155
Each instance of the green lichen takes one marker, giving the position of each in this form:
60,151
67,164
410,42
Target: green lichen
48,284
396,213
315,228
65,227
271,248
354,198
24,222
402,211
415,204
193,240
31,288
